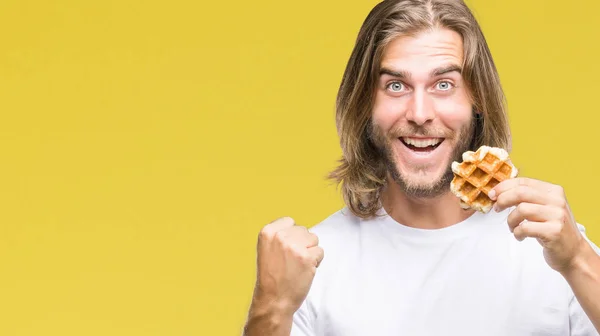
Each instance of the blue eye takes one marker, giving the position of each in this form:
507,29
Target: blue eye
396,86
444,85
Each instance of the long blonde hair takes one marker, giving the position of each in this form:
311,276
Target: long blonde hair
362,172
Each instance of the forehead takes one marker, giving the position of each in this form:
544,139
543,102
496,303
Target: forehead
424,51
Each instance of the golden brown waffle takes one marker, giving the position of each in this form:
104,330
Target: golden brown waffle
478,173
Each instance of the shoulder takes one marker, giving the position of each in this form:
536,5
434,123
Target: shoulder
339,222
337,230
340,236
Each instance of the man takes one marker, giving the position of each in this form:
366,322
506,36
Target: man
403,257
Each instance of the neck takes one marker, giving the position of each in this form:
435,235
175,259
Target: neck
422,213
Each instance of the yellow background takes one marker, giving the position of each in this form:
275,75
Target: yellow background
145,143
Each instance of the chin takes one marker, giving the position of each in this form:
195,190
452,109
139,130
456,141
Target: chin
423,184
422,181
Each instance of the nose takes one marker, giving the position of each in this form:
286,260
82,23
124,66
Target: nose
420,108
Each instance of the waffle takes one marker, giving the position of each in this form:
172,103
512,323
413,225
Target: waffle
478,173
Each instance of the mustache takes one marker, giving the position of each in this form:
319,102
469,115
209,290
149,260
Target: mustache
420,131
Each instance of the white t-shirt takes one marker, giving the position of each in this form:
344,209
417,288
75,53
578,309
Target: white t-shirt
473,278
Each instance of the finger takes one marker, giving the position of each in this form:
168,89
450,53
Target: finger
292,233
531,212
299,235
518,181
313,240
525,194
277,225
544,231
317,254
306,239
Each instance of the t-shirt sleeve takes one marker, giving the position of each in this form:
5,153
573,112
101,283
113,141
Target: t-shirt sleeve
594,246
580,323
303,322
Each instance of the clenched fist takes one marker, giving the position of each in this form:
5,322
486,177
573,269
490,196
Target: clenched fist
288,257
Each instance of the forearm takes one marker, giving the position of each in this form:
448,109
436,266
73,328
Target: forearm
266,319
584,279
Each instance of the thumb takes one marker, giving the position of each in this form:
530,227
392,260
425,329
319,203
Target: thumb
317,254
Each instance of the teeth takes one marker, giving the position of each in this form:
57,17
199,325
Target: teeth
421,143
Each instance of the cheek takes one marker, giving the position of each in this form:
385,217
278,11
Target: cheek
454,114
386,111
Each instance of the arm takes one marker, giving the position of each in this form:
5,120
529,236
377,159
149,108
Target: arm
288,257
584,279
265,318
542,212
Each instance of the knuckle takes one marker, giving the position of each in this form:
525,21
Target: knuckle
305,258
321,252
512,216
557,212
287,221
519,235
265,233
564,218
315,238
554,231
280,237
271,228
559,189
518,231
500,199
290,250
521,192
522,209
562,203
512,223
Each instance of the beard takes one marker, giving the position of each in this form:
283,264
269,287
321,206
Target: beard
436,187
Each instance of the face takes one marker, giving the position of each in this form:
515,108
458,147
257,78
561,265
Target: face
422,116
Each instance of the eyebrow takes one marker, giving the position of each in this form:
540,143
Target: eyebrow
434,73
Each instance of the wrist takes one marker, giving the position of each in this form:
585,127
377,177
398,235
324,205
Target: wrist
268,317
582,262
267,304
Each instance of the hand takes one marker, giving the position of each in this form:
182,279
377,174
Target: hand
288,257
541,212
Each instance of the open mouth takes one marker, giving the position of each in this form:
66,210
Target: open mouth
421,145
